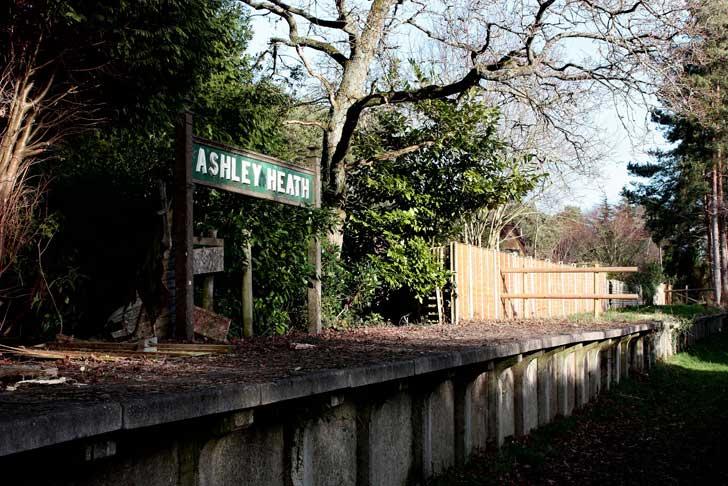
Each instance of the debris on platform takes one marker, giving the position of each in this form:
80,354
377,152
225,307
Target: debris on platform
211,325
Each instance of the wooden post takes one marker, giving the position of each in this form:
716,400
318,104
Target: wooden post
314,254
454,300
524,302
597,302
208,291
247,293
184,325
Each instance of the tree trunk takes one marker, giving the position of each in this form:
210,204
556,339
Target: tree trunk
715,264
352,88
723,241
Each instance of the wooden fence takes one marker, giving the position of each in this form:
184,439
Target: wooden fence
481,280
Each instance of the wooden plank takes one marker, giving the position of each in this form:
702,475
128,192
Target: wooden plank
207,241
210,259
132,347
571,270
27,371
571,296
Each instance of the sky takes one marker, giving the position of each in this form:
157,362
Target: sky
631,141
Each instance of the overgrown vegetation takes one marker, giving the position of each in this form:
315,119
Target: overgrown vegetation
88,101
674,312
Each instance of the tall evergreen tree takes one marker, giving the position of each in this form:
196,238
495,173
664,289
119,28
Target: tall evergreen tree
684,197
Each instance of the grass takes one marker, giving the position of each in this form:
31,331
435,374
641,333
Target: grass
650,312
666,428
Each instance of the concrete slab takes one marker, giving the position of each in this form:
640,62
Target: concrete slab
594,372
638,360
168,407
254,455
605,365
502,406
26,426
389,449
303,386
437,430
581,377
526,396
566,382
547,388
369,375
324,449
477,432
134,464
437,362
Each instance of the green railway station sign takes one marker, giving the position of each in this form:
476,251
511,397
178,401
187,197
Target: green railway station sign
200,161
257,175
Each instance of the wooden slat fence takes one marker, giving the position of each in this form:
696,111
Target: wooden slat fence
479,285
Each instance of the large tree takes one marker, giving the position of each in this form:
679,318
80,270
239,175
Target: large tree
66,67
540,53
695,100
674,189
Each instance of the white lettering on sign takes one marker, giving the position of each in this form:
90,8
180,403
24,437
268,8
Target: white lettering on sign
219,168
201,162
290,188
279,186
244,174
271,176
234,165
225,167
256,173
214,167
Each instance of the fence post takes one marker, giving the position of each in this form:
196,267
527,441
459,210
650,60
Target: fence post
597,302
314,254
247,288
496,283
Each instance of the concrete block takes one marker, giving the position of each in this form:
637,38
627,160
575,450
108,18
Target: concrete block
593,372
526,396
638,354
25,426
477,432
382,373
253,456
471,420
136,464
437,362
435,439
388,449
171,407
606,360
566,382
547,388
304,386
581,378
624,358
324,449
502,406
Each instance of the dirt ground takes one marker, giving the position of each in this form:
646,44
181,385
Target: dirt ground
266,359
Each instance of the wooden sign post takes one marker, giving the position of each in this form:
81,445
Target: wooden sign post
314,256
184,325
233,169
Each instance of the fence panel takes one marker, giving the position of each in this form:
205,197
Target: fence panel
479,284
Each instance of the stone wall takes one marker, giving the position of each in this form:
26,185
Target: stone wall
392,425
